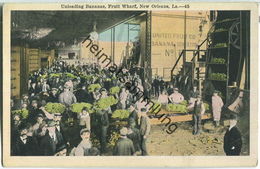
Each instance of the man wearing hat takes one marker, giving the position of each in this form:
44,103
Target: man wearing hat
161,84
25,99
103,93
61,151
232,138
124,146
15,123
57,119
45,86
217,105
85,147
145,128
193,94
103,121
51,141
32,89
82,94
60,126
84,118
69,85
36,126
156,86
176,97
133,114
24,145
96,95
53,96
85,144
34,111
134,135
56,82
199,110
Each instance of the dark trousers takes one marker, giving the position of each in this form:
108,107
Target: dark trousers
143,146
157,92
233,153
196,123
103,139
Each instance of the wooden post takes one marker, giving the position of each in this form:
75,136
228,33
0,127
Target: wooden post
199,85
184,45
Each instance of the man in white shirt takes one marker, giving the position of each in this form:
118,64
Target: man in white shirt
85,145
163,98
123,98
69,85
217,105
52,130
57,118
45,86
67,97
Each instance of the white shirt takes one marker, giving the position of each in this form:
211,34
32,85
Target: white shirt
24,140
230,127
53,136
58,128
82,147
217,104
123,96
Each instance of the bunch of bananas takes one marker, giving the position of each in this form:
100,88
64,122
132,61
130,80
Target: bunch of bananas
105,103
113,139
77,107
55,108
121,114
114,90
178,108
92,87
23,113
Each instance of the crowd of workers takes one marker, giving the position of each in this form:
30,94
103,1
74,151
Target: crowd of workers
42,133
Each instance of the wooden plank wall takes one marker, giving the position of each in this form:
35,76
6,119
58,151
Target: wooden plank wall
23,62
15,71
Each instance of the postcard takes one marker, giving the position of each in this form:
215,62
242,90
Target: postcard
130,84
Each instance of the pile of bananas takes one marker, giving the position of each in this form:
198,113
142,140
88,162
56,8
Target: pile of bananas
218,60
178,108
218,76
220,45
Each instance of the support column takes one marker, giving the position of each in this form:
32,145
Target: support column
147,63
184,45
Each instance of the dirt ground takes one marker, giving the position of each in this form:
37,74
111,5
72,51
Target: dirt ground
183,143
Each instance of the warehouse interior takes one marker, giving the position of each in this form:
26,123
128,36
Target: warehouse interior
207,49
